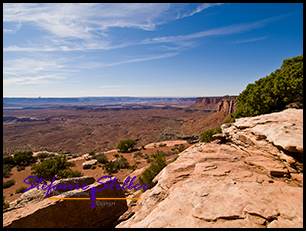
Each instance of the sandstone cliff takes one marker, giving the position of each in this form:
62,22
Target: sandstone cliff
251,177
211,103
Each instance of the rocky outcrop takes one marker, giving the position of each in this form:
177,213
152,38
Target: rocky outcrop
210,103
89,163
249,180
61,213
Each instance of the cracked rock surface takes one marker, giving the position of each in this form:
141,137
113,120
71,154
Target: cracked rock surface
252,180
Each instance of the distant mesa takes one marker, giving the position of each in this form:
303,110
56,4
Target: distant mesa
225,103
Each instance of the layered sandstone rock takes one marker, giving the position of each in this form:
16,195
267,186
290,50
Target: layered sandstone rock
60,213
212,103
246,182
227,106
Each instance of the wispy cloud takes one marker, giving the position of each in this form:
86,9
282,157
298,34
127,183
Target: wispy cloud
32,71
162,56
76,27
32,80
227,30
248,40
198,9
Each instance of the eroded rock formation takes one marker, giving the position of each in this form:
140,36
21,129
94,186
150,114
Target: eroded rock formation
252,177
215,103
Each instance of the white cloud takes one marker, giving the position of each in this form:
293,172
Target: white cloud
249,40
32,80
151,57
86,26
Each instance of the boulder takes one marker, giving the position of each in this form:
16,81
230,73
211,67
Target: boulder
89,163
60,213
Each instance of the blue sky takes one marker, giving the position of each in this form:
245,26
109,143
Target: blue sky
157,50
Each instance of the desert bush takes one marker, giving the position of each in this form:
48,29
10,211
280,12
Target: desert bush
272,93
181,148
139,153
20,158
102,158
5,205
8,160
207,136
114,166
157,164
43,155
19,168
20,189
7,170
93,167
110,167
125,145
145,156
8,183
53,167
91,153
24,158
162,145
76,173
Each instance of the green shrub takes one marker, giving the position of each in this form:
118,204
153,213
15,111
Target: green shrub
102,158
7,170
91,153
8,183
76,173
157,164
93,167
272,93
5,205
218,130
207,136
125,145
110,167
53,167
43,155
139,153
8,160
181,148
20,189
162,145
19,168
114,166
24,158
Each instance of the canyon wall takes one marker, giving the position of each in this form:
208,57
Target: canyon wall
226,103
